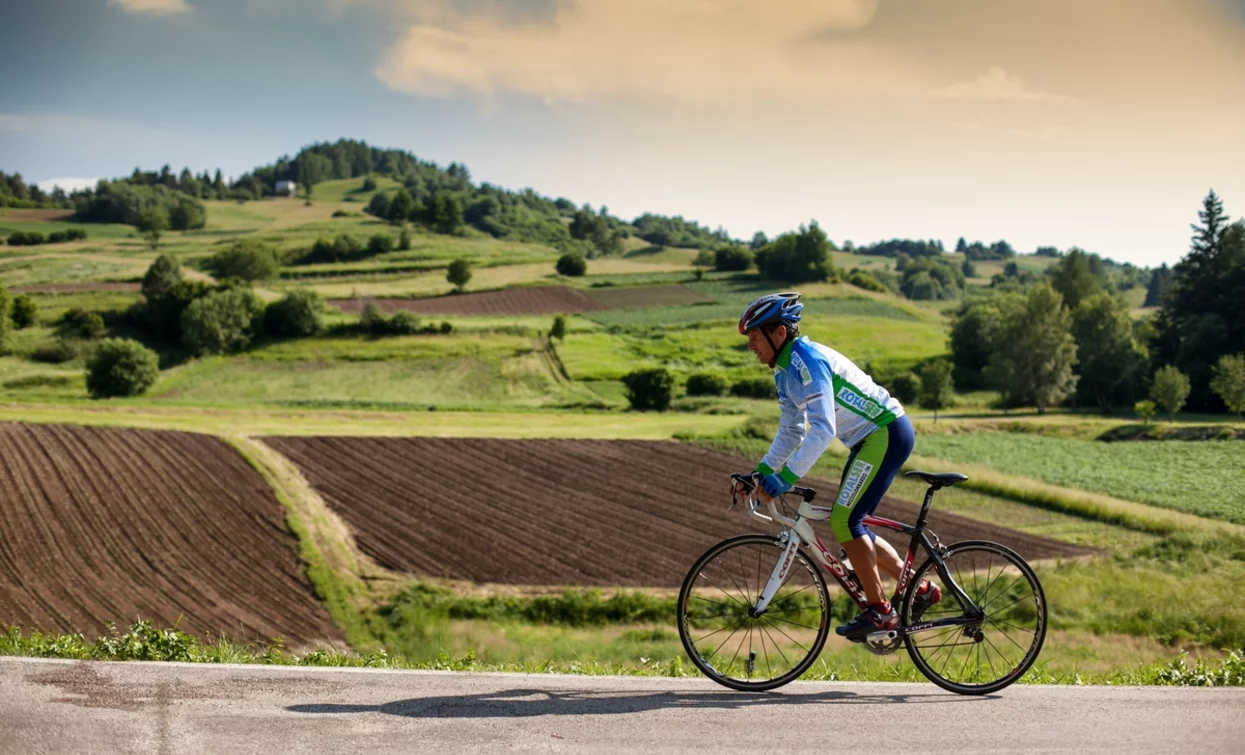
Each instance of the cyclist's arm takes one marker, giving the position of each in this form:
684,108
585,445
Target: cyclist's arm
818,401
790,435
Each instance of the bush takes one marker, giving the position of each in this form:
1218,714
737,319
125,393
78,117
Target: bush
459,274
404,239
369,184
378,206
732,259
704,258
79,322
861,279
121,367
572,265
649,389
58,352
1145,410
247,260
26,239
558,330
755,388
371,320
379,244
60,237
298,314
221,322
160,278
402,324
25,312
905,388
706,384
446,328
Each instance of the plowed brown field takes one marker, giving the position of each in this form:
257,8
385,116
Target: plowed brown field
532,300
102,524
555,512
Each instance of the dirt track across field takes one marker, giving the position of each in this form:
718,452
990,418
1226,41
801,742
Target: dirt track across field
557,512
77,288
103,524
532,300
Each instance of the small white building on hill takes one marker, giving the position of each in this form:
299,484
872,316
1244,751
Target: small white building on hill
287,188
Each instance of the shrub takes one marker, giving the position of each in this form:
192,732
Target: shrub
404,239
57,352
706,384
379,244
79,322
861,279
754,388
446,328
732,258
905,388
60,237
160,278
402,324
649,389
369,184
705,258
26,239
371,320
571,265
221,322
297,314
378,206
1145,410
558,330
247,260
4,319
121,367
25,312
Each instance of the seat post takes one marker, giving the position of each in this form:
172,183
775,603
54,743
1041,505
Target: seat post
929,500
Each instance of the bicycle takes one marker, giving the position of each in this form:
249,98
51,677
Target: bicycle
789,613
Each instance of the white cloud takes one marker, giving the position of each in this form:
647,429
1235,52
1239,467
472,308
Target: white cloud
732,53
68,184
998,85
152,7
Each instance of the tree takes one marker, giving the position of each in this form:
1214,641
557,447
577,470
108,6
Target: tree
649,389
797,257
1145,410
121,367
936,391
380,243
399,208
1160,279
968,269
248,260
297,314
445,214
759,240
1107,352
163,274
25,312
404,239
571,264
975,335
221,322
1035,352
1229,382
928,279
379,206
732,258
1073,279
369,184
905,387
558,330
371,320
1170,390
153,222
4,319
458,274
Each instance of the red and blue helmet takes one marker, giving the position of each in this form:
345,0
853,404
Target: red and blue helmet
772,309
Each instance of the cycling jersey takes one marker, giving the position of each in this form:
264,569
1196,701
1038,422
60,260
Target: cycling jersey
836,397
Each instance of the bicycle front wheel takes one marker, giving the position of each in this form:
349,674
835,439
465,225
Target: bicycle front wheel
727,643
983,647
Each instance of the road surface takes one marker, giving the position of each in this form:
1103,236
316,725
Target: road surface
68,706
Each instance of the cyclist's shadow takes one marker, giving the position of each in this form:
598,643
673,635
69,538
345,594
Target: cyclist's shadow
524,703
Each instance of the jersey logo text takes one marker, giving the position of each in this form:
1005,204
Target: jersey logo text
861,404
801,368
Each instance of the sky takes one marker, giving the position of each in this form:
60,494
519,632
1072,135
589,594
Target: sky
1093,123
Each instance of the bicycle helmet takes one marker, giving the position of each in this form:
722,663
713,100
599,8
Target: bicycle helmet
771,309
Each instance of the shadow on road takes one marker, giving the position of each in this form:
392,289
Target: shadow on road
523,703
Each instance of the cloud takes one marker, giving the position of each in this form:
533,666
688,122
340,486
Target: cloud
997,85
152,7
68,184
733,53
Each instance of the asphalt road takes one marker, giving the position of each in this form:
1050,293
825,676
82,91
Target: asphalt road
65,706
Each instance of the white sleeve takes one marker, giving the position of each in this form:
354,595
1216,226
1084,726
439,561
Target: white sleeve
790,433
821,431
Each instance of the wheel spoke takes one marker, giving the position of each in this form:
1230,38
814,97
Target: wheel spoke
723,590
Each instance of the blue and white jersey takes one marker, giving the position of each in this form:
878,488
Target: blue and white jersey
821,386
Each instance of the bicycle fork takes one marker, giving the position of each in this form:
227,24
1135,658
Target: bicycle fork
778,576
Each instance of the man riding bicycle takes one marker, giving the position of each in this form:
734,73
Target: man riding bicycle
837,398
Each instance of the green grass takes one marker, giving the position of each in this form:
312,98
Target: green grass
55,267
340,190
1206,478
727,313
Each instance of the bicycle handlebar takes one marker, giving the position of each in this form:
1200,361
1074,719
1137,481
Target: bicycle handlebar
750,482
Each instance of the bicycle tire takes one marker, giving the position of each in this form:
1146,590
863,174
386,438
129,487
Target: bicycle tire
807,568
1017,669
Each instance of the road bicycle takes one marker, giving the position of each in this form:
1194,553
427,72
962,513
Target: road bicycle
754,610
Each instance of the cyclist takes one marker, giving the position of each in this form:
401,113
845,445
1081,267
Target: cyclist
837,398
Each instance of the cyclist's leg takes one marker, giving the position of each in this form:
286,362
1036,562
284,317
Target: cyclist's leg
866,478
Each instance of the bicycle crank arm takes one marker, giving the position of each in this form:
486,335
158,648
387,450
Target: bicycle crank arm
925,626
776,577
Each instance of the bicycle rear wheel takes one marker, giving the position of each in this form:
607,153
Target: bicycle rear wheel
999,641
736,649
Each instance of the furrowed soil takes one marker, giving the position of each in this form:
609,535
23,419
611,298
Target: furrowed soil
558,512
532,300
106,524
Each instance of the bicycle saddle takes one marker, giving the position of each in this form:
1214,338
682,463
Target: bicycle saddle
938,479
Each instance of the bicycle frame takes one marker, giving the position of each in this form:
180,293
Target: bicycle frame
806,536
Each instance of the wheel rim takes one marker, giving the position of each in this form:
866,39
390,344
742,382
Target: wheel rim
1005,636
729,644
